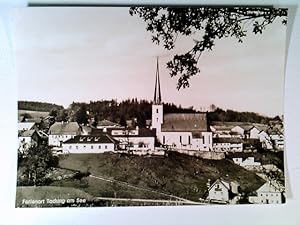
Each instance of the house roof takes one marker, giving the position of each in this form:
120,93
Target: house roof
26,133
270,186
184,122
142,132
92,139
219,125
106,123
59,128
25,125
220,181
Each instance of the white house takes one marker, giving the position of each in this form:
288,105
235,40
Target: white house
60,132
249,161
278,140
26,126
269,193
265,139
27,138
134,139
222,191
227,145
254,133
182,131
89,144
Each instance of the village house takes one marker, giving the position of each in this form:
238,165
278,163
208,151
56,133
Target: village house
60,132
181,131
89,144
269,193
227,145
27,138
134,139
277,139
222,191
249,161
26,126
107,124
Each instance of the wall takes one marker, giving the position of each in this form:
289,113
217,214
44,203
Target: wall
87,147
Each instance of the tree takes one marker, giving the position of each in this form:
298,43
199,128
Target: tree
81,115
36,163
206,25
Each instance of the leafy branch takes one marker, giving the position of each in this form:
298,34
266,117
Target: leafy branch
166,23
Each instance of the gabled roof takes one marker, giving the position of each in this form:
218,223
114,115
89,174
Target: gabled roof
25,125
106,123
222,182
59,128
184,122
26,133
245,125
270,186
91,139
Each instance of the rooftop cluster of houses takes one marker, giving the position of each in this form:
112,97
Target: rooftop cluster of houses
244,136
173,131
227,192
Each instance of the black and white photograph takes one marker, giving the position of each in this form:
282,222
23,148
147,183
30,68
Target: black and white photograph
150,106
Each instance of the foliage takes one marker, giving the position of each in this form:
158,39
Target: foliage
81,115
235,116
206,25
38,106
25,116
35,163
119,112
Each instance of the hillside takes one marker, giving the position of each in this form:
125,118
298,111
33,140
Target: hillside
180,175
38,106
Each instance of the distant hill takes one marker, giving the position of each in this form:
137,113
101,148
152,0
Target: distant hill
38,106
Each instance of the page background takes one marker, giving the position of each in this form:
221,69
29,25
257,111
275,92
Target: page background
236,214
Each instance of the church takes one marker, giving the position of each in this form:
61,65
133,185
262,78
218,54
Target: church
182,131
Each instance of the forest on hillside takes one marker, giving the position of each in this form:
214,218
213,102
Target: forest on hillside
38,106
139,111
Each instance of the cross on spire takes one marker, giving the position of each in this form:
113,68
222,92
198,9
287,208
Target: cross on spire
157,94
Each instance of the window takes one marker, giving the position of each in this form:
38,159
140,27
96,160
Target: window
156,110
77,147
70,147
84,146
164,139
99,146
92,146
189,140
180,139
105,146
156,119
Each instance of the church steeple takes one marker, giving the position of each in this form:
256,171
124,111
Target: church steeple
157,93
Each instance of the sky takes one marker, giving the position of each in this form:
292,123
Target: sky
87,54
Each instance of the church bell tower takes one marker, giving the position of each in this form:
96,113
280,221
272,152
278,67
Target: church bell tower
157,107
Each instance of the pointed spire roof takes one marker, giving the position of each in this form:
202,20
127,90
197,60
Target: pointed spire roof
157,93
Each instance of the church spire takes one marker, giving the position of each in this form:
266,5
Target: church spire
157,94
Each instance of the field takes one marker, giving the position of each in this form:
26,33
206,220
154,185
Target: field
33,114
177,175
